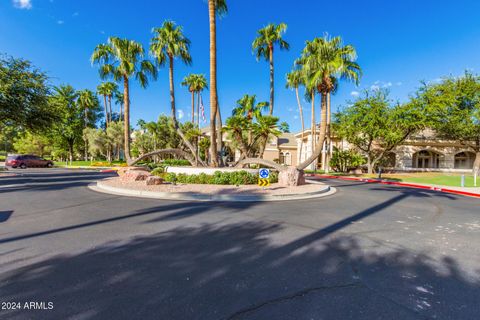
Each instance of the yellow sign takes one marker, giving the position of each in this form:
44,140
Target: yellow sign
263,182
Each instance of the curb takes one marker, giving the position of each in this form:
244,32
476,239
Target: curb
403,184
100,187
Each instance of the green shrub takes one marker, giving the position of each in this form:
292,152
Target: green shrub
158,171
220,178
175,162
344,161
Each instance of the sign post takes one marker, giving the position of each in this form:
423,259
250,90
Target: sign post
263,177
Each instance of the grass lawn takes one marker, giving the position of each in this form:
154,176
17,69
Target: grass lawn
444,179
81,163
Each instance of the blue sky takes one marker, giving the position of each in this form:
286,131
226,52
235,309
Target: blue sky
398,43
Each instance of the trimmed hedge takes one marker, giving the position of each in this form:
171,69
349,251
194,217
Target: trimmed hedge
221,178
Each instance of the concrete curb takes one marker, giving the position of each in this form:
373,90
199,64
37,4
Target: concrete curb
403,184
100,187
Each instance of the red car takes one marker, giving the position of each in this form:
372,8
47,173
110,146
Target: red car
27,161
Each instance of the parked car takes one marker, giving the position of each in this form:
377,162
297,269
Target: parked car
27,161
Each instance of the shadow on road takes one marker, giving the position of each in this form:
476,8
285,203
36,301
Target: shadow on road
235,272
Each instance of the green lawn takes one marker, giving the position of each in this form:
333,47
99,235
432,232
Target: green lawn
444,180
80,163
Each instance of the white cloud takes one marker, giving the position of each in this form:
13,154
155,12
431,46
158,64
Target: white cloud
22,4
374,87
60,22
354,93
180,114
387,85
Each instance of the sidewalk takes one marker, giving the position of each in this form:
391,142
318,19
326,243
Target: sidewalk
471,192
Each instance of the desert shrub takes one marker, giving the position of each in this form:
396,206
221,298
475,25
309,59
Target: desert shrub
344,161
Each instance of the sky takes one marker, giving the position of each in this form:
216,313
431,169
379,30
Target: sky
399,44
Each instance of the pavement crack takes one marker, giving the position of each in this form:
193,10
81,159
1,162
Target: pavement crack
292,296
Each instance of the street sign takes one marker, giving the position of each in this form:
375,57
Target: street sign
263,182
264,173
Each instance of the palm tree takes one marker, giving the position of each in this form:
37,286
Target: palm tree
123,59
284,127
103,91
266,127
119,99
215,7
86,101
189,82
112,89
323,60
248,108
263,45
200,84
167,44
294,80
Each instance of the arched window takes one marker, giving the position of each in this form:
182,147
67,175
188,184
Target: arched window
426,159
285,158
464,160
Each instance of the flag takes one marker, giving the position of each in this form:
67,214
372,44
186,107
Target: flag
202,109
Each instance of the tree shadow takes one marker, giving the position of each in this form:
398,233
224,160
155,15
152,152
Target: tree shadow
239,272
5,215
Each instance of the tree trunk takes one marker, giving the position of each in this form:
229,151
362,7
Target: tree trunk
193,107
301,120
272,95
329,138
198,125
126,103
213,81
218,127
110,107
476,163
313,131
106,111
173,109
369,164
323,131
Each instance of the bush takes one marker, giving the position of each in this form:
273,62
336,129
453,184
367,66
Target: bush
101,164
158,171
220,178
175,162
344,161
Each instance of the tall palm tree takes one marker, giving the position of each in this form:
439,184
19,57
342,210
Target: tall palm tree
294,80
189,82
250,109
323,60
112,89
169,43
123,59
215,7
263,46
105,89
86,101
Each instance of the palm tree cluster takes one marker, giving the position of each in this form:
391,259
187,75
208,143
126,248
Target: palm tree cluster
323,63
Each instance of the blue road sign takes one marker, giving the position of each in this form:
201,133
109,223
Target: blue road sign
264,173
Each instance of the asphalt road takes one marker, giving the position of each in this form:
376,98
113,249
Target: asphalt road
367,252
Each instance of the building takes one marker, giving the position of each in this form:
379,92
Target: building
423,151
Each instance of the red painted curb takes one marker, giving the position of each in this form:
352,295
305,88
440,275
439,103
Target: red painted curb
402,184
108,171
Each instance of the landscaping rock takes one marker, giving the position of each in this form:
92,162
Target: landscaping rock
291,177
154,180
135,175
